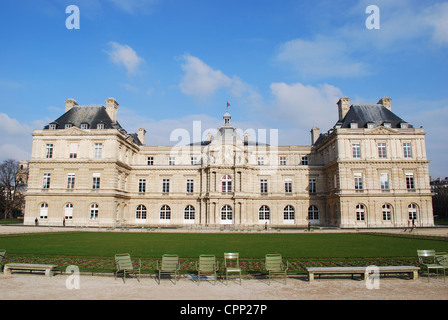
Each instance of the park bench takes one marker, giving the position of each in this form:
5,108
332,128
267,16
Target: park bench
48,268
411,270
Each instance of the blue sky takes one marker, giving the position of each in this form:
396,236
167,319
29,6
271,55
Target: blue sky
281,65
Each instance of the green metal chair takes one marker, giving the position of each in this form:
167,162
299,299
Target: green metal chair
124,265
169,265
274,266
427,259
206,265
2,254
442,259
232,265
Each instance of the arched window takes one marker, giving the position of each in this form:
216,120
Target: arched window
387,212
68,211
288,213
189,213
226,183
165,212
140,212
313,213
226,213
43,214
94,211
360,212
412,210
264,213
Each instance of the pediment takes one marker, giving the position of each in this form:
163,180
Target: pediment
72,131
382,130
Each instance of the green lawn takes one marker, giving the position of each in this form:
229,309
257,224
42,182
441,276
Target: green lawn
189,245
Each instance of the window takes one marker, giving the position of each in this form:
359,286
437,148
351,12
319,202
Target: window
73,151
384,180
264,213
312,185
140,212
71,181
288,185
189,213
49,150
166,185
354,125
360,212
313,213
84,126
96,181
190,184
141,185
356,147
194,161
226,183
93,211
68,212
226,213
407,150
304,161
288,213
410,181
52,126
100,126
172,161
260,161
358,181
412,210
98,150
165,213
68,126
382,152
264,185
43,214
46,181
283,161
387,212
150,161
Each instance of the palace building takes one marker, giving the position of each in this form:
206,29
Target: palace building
369,171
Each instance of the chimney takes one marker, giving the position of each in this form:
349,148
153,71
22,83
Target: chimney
111,109
343,107
314,135
141,135
70,103
385,102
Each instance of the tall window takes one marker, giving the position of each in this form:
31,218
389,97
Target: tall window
166,185
410,185
141,185
190,185
387,212
49,151
288,213
283,161
96,180
73,151
382,152
312,185
46,181
226,183
356,147
407,150
358,181
94,211
43,214
140,212
412,211
288,185
313,213
384,180
68,212
264,185
165,213
264,213
98,151
226,213
71,181
189,213
360,212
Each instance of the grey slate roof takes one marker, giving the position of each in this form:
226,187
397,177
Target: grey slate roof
91,115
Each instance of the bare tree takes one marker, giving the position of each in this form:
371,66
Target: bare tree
10,199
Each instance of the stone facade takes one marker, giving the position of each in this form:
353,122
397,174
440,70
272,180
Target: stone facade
85,170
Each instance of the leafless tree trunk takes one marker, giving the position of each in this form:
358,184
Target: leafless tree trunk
10,200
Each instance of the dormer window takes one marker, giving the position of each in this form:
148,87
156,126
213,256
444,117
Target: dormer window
387,124
404,125
68,126
100,126
52,126
370,125
84,126
354,125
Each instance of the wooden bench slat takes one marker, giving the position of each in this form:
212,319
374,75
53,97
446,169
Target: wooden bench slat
362,270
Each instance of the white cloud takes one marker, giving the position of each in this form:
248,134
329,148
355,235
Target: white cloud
437,18
124,55
15,139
